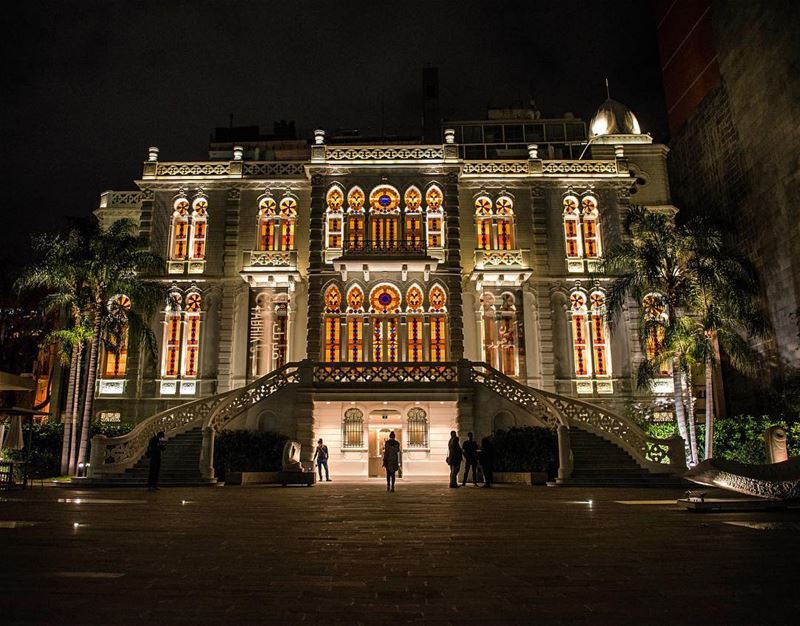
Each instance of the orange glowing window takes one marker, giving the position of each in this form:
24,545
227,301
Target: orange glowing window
385,299
268,224
572,237
483,223
580,335
599,329
333,299
179,247
116,360
414,299
355,339
434,198
191,341
413,200
414,326
288,220
413,230
437,299
172,344
332,341
438,338
654,311
198,228
355,200
334,199
355,300
591,228
504,218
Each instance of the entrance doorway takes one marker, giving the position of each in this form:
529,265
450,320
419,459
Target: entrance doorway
377,442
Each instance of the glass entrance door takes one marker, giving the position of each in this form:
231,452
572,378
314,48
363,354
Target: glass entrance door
377,442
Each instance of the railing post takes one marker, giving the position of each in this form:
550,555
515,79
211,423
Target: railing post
207,453
565,459
98,455
305,372
464,373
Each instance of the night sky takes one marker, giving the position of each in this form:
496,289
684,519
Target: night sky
90,85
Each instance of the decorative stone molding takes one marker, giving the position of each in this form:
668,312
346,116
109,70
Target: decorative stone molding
384,153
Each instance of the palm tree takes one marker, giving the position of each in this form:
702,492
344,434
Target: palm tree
117,258
653,260
727,307
59,270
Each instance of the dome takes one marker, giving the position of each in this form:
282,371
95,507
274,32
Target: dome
614,118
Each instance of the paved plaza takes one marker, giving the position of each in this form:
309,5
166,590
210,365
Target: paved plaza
351,553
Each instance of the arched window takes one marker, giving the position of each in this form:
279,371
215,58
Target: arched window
353,429
334,223
417,428
173,327
355,219
413,218
288,220
580,335
414,324
268,224
197,245
332,331
115,359
385,305
602,357
501,337
654,312
504,223
572,234
483,222
437,301
355,325
191,340
434,208
384,202
179,237
591,228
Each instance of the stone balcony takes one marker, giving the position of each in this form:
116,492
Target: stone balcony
501,267
378,256
273,268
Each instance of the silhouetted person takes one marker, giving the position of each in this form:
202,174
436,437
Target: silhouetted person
155,447
470,449
454,458
391,460
321,457
486,457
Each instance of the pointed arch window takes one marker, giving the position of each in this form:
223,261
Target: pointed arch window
332,326
199,227
572,234
355,325
191,342
415,324
385,307
115,359
413,218
434,209
654,310
356,220
483,222
599,332
384,202
334,219
288,222
173,327
179,236
580,335
437,308
268,224
591,228
504,223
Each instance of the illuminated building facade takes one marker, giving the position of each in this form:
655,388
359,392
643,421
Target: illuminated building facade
388,273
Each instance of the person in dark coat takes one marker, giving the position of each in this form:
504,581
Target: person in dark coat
391,460
454,456
486,458
321,458
155,447
470,449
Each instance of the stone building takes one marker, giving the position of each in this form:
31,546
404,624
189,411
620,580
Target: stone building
386,287
731,82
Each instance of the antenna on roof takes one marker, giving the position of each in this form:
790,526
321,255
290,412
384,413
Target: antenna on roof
608,91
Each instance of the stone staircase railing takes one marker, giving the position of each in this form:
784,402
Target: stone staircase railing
656,455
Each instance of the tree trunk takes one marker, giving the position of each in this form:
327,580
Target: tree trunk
67,414
690,418
680,410
709,372
76,404
88,393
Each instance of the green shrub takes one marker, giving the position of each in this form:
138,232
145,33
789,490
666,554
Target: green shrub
526,449
247,451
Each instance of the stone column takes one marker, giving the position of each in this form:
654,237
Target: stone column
532,343
565,460
316,266
451,272
207,453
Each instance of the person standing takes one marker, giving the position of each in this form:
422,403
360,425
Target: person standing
454,455
470,449
156,445
486,458
391,460
321,457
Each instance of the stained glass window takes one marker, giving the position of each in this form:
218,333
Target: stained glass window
385,299
384,199
199,227
355,339
434,198
355,300
288,218
116,361
580,335
572,237
483,223
268,224
173,326
654,311
414,329
333,299
191,345
434,216
437,299
504,221
602,363
438,338
591,228
413,200
414,299
179,246
355,200
334,200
